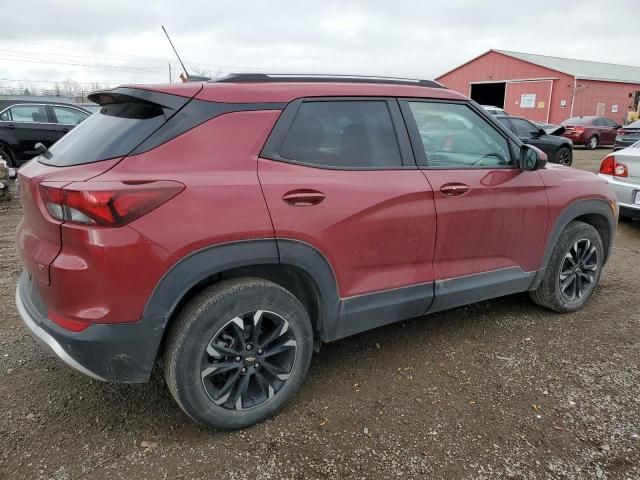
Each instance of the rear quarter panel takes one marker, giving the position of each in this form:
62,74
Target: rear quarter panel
222,201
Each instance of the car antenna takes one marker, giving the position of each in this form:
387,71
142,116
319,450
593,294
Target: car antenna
186,77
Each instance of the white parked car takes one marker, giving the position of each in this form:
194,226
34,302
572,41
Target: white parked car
622,170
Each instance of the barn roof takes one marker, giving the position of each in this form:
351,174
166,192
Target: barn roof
583,69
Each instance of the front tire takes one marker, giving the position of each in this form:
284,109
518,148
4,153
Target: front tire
593,142
564,156
573,270
237,352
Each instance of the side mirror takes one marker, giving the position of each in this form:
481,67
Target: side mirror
44,151
532,158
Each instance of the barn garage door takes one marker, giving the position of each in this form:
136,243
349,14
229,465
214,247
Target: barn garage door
529,99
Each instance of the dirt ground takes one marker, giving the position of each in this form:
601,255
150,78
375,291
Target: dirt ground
498,389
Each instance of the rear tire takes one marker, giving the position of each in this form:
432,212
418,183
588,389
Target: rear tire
564,156
593,142
7,155
219,358
573,271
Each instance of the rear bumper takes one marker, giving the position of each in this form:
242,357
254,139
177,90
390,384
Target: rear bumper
115,353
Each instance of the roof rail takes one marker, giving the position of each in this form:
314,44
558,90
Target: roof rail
267,78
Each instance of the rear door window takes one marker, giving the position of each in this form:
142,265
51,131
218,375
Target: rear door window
112,132
343,134
68,116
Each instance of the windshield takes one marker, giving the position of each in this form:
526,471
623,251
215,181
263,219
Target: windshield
578,121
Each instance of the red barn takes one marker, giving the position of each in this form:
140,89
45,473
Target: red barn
547,89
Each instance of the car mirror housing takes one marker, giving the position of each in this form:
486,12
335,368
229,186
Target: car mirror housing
532,158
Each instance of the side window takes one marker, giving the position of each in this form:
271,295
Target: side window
599,122
343,134
610,123
68,116
504,121
29,114
453,135
523,127
6,116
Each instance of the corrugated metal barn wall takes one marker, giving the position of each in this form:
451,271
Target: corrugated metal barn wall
609,94
552,89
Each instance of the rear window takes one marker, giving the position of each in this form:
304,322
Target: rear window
578,121
112,132
635,124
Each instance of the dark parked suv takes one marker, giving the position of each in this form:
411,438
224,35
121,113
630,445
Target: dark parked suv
227,228
24,124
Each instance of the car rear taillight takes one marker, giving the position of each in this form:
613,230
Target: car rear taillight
621,132
111,204
578,129
610,166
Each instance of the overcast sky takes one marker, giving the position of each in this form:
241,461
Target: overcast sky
115,41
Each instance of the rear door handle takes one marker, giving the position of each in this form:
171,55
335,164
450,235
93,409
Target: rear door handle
11,125
303,198
454,189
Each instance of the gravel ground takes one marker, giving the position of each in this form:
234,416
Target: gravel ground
498,389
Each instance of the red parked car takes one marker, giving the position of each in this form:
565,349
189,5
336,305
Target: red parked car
227,228
591,132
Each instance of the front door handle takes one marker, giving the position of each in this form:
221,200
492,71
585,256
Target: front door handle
454,189
11,125
303,198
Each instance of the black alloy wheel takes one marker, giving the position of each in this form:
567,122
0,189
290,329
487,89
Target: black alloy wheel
579,270
248,360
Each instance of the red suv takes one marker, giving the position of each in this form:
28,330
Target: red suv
227,228
591,132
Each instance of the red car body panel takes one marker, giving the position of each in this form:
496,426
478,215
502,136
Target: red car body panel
483,230
38,235
565,186
376,228
223,201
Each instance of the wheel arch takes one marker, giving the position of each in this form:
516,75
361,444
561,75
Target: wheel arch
6,146
595,212
294,265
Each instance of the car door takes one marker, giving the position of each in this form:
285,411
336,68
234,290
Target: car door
491,216
29,124
338,175
609,131
66,118
531,134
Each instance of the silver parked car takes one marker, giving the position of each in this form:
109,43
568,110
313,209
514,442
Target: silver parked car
622,170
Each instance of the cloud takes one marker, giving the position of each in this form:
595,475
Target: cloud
121,41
